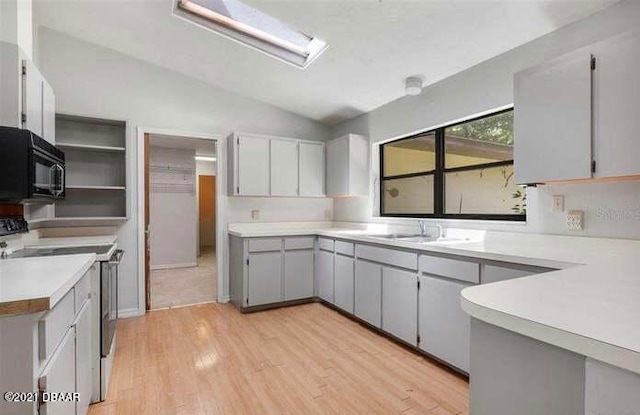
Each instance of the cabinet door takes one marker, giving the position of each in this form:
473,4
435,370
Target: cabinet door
48,113
552,138
84,385
284,168
443,325
368,292
59,376
265,278
253,166
325,275
344,282
338,167
298,274
400,304
32,97
616,98
311,169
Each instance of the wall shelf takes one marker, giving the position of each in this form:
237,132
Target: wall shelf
95,158
86,147
88,187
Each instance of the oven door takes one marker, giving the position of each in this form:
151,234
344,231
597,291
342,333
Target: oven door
48,176
109,300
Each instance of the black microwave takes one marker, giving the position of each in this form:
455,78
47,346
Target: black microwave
31,169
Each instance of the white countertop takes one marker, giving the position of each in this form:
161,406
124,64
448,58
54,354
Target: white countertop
30,285
591,306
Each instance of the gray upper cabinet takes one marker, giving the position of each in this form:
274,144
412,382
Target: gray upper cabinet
616,99
324,275
265,278
552,138
284,167
348,166
443,325
273,166
368,292
344,280
298,274
400,304
250,169
32,81
311,168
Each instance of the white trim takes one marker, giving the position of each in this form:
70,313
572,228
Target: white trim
172,266
129,312
221,227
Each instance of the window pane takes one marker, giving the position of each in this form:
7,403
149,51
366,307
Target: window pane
486,140
413,155
413,195
484,191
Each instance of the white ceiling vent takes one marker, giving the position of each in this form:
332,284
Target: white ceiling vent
251,27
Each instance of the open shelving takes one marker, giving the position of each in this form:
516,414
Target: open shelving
95,156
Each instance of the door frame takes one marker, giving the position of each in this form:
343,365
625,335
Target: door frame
221,225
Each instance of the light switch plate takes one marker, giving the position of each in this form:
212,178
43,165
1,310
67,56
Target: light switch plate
575,220
255,214
558,203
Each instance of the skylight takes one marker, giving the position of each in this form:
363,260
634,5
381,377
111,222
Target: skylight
251,27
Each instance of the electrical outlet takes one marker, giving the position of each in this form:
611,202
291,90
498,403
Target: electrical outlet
255,214
575,220
558,203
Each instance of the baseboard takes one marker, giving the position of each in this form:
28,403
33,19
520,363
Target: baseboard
171,266
129,312
224,299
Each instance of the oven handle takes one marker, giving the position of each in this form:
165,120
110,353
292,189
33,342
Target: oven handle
118,253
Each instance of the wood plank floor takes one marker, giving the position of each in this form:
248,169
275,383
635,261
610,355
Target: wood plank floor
210,359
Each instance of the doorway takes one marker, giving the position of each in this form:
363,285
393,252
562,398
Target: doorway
180,221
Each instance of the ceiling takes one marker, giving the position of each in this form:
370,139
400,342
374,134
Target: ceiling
202,147
373,45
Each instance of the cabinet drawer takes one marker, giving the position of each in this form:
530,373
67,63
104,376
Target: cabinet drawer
265,245
305,242
401,259
55,324
451,268
82,289
325,244
344,248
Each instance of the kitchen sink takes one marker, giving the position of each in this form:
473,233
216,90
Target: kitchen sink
418,238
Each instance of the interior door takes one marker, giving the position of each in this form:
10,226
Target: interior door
147,228
207,209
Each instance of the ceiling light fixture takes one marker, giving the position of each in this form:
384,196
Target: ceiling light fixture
205,158
413,85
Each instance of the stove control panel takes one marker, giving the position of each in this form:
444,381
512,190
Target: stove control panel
14,225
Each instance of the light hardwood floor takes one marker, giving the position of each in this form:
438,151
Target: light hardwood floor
182,286
302,360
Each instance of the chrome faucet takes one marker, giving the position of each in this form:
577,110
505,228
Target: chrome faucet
3,246
423,227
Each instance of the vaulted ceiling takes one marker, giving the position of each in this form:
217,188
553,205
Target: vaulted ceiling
373,45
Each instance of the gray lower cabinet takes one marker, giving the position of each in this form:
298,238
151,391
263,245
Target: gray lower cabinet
494,273
368,292
59,376
400,304
324,275
344,272
265,278
443,325
83,332
298,274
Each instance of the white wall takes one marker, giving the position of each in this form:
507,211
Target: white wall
95,81
173,217
16,24
488,86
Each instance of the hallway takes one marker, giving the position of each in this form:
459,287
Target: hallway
184,286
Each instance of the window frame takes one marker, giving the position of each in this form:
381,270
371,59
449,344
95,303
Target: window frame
439,178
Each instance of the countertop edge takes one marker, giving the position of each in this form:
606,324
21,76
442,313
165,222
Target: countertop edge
585,346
